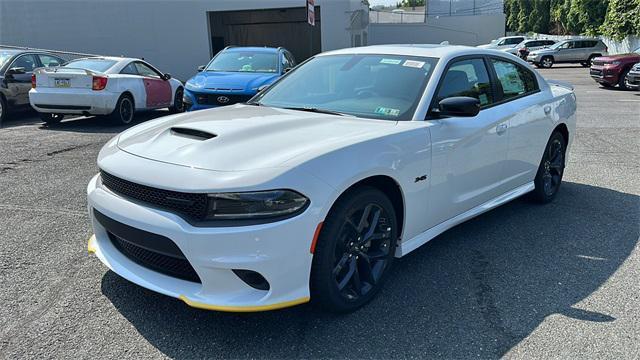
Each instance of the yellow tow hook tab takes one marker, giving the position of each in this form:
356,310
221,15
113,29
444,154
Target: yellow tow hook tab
91,247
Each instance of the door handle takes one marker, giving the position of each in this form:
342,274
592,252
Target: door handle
501,129
547,110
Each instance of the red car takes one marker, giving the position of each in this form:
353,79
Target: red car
610,71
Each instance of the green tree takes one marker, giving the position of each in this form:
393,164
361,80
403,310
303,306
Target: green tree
539,19
512,11
523,15
622,19
558,15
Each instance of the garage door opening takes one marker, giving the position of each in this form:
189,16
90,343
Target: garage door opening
275,27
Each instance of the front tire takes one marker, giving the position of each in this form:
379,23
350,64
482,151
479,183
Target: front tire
51,119
546,62
3,110
178,105
622,80
124,110
549,176
354,251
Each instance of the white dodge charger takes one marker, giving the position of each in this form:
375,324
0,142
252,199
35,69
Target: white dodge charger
112,86
310,190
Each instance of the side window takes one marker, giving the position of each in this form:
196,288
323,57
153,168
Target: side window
467,78
49,61
144,70
129,69
28,62
514,79
513,41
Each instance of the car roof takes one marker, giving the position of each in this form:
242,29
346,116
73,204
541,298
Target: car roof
424,50
253,48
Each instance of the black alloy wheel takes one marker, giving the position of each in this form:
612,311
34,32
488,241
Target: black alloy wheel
355,250
51,119
178,104
549,176
124,111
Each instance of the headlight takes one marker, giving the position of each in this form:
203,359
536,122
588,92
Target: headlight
255,205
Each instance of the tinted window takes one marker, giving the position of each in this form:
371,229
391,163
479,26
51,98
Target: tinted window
514,79
371,86
144,70
548,42
513,41
99,65
130,69
467,78
48,60
244,61
28,62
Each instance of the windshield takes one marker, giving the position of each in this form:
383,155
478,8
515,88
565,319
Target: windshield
372,86
4,57
244,61
98,65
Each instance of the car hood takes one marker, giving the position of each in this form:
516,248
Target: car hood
230,81
630,57
245,137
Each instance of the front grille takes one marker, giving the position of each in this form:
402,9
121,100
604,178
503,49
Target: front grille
150,250
172,266
191,205
596,72
221,99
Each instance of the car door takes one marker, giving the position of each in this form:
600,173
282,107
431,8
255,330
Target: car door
158,90
18,85
469,153
529,119
564,52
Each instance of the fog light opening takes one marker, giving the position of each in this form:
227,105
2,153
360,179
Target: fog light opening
253,279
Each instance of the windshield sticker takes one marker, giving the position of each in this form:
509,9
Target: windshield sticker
387,111
391,61
484,100
413,64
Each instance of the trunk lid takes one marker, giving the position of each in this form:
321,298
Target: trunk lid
61,77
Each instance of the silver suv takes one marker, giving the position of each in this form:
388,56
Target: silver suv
569,51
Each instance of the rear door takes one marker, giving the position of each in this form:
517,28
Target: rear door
158,90
20,84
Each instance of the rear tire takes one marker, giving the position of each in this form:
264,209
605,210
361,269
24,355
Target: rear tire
124,110
51,119
546,62
3,110
178,105
355,250
549,176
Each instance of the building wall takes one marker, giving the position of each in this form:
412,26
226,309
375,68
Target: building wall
173,35
458,30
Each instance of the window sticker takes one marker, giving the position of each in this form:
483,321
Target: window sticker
484,100
391,61
387,111
413,64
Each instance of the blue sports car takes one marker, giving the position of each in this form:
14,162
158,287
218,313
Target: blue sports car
235,75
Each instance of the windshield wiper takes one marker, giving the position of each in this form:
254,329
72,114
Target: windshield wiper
315,110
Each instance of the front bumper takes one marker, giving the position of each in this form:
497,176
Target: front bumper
535,58
72,101
603,75
633,79
278,251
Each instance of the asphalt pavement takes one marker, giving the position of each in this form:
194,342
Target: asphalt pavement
521,281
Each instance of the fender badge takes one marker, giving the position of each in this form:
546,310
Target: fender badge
421,178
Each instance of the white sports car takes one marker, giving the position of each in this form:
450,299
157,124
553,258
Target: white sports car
311,189
112,86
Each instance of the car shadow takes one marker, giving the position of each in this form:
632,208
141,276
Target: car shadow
99,124
476,290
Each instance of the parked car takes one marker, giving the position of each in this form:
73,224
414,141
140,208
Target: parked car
524,48
312,188
581,51
16,67
506,42
633,78
113,86
612,70
235,75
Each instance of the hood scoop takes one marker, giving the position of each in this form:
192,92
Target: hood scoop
192,133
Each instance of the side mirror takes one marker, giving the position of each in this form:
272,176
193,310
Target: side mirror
263,87
166,77
201,68
15,71
460,106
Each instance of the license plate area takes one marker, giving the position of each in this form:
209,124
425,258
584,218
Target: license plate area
63,83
